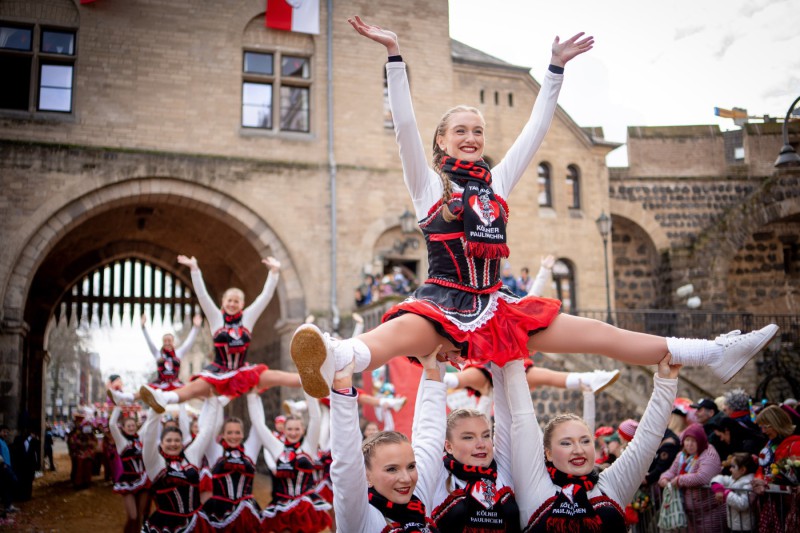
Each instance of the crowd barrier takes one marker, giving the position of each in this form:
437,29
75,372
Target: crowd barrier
780,506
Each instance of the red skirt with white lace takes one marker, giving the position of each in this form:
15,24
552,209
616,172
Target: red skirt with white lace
232,383
487,327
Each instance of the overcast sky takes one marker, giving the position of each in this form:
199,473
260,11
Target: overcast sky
654,63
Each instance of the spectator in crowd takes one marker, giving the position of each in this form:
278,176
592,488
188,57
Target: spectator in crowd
678,419
82,444
737,407
693,469
360,298
508,279
775,506
708,415
524,282
738,437
601,450
733,491
26,460
8,480
48,447
665,455
778,428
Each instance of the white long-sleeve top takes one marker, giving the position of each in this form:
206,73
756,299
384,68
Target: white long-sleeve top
422,181
589,410
153,461
540,282
430,466
179,351
113,427
619,482
250,313
348,472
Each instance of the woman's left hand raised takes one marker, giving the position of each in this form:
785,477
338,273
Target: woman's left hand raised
572,47
376,33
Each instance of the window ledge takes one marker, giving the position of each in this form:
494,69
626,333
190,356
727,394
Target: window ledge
575,212
39,116
271,134
547,212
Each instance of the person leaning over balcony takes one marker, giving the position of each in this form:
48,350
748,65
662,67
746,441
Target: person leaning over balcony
463,305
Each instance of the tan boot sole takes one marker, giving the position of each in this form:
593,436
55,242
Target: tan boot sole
309,353
146,395
610,382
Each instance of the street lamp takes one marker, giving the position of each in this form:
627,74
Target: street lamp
788,157
604,227
408,228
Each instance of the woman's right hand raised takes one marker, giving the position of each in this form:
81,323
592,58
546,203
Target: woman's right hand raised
190,262
376,33
667,370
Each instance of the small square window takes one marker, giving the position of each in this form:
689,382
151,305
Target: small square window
15,38
296,67
58,42
15,89
255,63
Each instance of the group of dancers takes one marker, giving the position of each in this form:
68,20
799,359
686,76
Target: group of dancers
457,472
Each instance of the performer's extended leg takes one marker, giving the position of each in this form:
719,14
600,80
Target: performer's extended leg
278,378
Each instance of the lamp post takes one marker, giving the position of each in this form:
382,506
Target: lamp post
788,157
604,227
408,228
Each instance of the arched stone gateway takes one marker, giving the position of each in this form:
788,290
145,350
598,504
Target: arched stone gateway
154,219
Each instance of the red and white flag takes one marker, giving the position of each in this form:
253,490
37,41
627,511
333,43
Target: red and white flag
293,15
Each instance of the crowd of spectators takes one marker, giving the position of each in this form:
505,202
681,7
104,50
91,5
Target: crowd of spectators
735,463
399,281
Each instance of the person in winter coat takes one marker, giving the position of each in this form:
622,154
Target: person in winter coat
691,471
734,491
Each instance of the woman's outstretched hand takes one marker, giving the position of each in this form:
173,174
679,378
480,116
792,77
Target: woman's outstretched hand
272,264
191,262
666,370
376,33
572,47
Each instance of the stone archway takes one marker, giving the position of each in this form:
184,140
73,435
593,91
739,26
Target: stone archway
154,218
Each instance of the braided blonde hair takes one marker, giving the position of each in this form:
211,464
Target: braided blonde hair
380,439
438,155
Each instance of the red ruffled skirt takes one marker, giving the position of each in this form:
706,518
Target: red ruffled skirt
232,383
297,516
498,331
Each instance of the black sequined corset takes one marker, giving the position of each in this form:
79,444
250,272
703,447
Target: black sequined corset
233,475
296,473
448,265
230,343
176,491
131,456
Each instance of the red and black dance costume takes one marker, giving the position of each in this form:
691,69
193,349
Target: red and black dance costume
176,496
295,505
464,297
169,361
481,505
229,373
175,479
133,477
232,506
